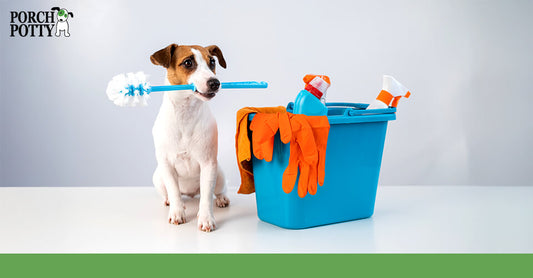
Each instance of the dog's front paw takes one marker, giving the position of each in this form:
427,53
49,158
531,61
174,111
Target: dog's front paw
176,215
206,222
222,201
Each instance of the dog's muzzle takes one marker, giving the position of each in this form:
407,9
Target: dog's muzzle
212,85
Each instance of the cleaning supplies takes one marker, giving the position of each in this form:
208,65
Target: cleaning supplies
308,101
133,89
390,94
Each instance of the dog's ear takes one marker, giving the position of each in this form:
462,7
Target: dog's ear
215,51
71,14
55,9
163,57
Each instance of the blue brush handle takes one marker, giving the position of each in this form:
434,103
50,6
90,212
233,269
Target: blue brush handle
244,85
224,85
173,88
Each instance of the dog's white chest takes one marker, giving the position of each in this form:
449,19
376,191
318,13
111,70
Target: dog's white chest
186,166
177,147
183,136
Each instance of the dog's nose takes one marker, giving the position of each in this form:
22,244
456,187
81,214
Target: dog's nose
213,84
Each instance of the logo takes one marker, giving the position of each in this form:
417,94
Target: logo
40,23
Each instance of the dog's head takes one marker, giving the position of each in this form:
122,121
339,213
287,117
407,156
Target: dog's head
188,64
62,14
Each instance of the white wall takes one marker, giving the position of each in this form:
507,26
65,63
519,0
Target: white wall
468,65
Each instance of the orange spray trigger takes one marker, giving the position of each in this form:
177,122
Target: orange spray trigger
396,100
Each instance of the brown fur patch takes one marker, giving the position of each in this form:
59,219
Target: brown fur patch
173,56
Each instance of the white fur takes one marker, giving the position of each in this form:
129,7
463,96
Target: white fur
202,73
186,143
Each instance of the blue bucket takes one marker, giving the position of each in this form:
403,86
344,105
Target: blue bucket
353,160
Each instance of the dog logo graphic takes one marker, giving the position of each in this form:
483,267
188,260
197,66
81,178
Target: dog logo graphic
62,23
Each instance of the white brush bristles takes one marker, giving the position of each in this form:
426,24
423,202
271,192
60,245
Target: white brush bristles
129,89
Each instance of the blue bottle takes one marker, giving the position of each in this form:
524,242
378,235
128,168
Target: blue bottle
308,101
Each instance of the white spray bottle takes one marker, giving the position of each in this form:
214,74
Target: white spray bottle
390,94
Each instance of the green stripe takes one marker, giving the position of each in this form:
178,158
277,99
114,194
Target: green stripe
247,265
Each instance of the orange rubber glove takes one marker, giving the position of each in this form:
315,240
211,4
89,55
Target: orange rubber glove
304,156
320,126
312,168
264,128
308,136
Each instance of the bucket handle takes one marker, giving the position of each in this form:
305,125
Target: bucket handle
354,109
359,109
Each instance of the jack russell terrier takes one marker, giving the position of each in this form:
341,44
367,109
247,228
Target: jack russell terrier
185,133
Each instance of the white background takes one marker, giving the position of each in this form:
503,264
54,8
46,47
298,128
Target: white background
467,63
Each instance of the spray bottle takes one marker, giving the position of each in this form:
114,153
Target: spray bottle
390,94
311,100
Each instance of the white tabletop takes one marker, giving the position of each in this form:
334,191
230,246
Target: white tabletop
406,219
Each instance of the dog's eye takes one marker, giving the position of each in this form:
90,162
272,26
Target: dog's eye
187,63
212,63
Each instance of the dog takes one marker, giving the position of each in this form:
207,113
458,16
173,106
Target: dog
185,133
62,23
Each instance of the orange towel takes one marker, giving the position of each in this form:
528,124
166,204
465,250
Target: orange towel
243,146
